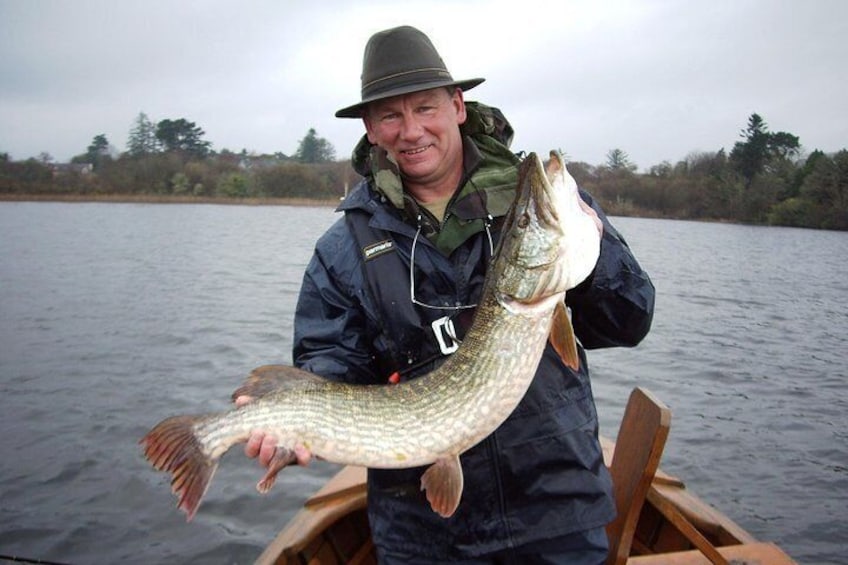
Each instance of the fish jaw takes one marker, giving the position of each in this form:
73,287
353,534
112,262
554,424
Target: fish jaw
580,244
549,244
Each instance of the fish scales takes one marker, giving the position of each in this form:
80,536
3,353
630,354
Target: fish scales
432,419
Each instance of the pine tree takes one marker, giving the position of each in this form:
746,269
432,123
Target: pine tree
314,149
142,139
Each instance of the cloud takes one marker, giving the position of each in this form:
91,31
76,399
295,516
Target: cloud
658,79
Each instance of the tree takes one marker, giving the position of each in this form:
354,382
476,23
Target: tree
30,176
748,156
233,185
619,160
142,139
98,149
99,145
826,189
761,149
182,136
314,149
783,145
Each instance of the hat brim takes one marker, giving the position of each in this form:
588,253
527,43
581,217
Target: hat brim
355,111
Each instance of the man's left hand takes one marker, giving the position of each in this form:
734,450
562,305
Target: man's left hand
592,214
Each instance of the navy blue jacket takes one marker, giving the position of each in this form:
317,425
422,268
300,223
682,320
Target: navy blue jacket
541,474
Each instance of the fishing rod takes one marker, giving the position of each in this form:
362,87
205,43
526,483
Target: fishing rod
19,559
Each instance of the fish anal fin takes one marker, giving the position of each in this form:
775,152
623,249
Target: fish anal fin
443,483
283,457
269,378
173,447
562,337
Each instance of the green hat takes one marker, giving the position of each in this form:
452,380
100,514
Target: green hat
399,61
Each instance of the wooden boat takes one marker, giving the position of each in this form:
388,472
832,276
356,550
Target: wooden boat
659,520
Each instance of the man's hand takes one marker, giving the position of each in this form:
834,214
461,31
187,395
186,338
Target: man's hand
264,446
594,215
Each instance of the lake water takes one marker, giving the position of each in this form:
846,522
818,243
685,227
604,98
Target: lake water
114,316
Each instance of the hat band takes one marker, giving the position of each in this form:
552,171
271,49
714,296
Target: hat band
441,72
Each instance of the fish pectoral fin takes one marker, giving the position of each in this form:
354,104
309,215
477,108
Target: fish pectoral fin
443,482
562,337
269,378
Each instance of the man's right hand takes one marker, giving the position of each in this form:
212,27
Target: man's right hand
264,446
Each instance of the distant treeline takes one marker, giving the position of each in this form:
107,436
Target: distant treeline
811,193
216,176
763,180
170,159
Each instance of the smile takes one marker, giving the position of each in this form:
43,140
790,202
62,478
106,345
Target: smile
415,151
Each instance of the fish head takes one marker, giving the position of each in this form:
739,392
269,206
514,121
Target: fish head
548,244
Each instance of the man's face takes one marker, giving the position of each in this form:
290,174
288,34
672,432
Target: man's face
420,131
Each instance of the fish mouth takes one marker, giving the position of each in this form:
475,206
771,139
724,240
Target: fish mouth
533,235
537,200
527,306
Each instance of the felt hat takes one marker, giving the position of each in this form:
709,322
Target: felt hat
399,61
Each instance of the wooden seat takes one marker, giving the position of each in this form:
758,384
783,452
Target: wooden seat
638,448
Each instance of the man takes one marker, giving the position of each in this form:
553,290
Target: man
439,178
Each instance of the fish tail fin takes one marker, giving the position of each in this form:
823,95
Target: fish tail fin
172,446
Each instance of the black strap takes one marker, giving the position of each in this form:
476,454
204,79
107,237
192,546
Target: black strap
401,323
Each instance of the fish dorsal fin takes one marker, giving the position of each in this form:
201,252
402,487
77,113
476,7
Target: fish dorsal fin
562,337
443,483
269,378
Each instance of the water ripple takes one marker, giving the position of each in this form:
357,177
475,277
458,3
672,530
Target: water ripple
115,316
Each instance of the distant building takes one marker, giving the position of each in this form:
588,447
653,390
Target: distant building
261,162
67,168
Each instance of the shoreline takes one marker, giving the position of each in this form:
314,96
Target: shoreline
294,202
166,199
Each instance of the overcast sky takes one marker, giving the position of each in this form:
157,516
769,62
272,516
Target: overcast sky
658,79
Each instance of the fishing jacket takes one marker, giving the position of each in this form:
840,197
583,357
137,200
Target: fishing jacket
541,473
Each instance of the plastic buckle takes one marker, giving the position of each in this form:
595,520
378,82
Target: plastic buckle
445,334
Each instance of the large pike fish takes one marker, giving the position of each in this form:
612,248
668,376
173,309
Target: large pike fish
548,245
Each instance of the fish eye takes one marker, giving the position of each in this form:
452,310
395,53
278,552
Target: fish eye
523,221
